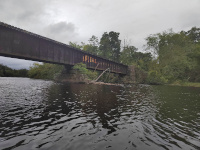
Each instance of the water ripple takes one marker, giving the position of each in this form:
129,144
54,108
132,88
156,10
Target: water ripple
38,114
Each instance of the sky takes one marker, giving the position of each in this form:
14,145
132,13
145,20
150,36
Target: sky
78,20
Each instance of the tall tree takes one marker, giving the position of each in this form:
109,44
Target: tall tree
110,46
127,55
130,56
115,45
94,41
193,34
105,47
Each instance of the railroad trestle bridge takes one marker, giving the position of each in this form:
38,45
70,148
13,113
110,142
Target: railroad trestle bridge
19,43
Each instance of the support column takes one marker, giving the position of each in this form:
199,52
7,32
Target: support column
68,68
131,73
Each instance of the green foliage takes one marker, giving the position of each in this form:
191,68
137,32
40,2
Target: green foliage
91,49
155,77
75,45
172,56
152,44
110,46
80,69
130,56
127,55
178,55
45,71
93,46
105,47
142,60
112,78
8,72
140,75
193,34
1,73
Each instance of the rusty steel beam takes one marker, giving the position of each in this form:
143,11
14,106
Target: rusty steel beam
18,43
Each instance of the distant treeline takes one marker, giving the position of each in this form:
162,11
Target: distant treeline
9,72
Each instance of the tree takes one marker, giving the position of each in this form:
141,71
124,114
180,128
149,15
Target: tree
153,44
105,47
80,69
9,72
93,46
142,60
75,45
94,41
174,53
127,55
45,71
130,56
115,45
193,34
110,46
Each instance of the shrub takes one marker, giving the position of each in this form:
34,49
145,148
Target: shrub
155,77
45,71
80,69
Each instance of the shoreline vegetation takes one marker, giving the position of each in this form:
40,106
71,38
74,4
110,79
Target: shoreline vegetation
9,72
186,84
77,76
169,58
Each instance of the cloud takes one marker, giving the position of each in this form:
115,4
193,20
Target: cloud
61,31
75,20
79,20
35,16
23,13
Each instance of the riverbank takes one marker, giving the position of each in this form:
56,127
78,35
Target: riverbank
86,81
189,84
103,83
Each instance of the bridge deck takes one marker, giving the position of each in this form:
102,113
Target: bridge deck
18,43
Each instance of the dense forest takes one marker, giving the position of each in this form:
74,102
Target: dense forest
9,72
168,57
176,56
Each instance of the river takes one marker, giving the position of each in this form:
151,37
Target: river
40,115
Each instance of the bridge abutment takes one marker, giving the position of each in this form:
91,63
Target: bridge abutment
68,68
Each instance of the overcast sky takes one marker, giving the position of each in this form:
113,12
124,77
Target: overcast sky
78,20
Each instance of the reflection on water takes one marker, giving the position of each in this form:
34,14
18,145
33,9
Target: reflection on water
38,114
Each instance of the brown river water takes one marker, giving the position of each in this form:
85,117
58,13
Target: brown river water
44,115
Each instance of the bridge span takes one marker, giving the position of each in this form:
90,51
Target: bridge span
18,43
